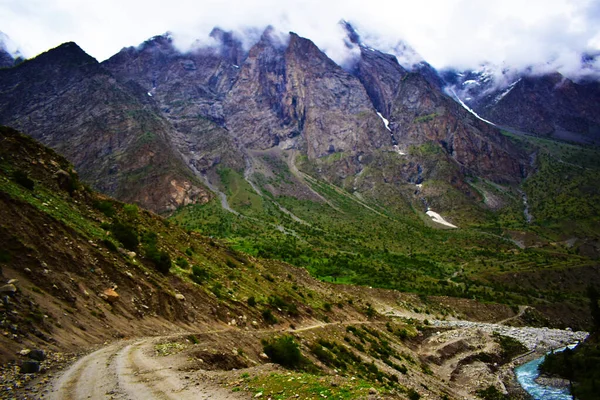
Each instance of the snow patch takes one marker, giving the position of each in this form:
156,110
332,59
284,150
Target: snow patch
507,91
385,121
236,66
397,150
149,94
466,107
470,82
439,219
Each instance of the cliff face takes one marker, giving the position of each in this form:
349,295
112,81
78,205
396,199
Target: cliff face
548,105
109,130
293,95
420,112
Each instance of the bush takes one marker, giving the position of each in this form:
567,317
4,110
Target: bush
491,393
284,351
131,211
160,258
251,301
109,245
413,394
182,263
126,234
199,274
269,317
22,179
105,207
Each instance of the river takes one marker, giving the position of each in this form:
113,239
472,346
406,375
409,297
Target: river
528,373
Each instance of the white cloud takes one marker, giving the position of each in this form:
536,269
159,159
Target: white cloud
460,33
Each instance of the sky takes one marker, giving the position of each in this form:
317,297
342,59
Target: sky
456,33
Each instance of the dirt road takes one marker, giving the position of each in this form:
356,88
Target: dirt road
126,370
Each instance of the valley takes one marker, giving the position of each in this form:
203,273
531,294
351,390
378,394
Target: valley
257,221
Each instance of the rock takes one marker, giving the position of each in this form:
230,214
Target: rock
38,355
372,390
25,352
259,394
8,289
180,297
27,270
110,295
264,356
30,367
131,254
13,281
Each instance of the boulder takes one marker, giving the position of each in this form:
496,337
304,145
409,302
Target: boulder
110,295
179,296
8,289
38,355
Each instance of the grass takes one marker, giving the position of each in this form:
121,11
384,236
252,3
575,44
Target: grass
280,386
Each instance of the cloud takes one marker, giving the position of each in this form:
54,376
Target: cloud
460,33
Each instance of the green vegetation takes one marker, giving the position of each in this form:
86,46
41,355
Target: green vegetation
381,242
510,347
284,351
424,118
22,179
126,234
491,393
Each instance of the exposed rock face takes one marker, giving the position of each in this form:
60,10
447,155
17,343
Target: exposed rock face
421,113
546,105
109,130
549,105
285,91
381,75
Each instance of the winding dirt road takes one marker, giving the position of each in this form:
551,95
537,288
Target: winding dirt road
125,370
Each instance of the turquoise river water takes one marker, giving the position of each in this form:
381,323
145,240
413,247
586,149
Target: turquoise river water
528,373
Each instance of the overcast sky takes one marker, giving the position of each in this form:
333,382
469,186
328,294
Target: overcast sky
461,33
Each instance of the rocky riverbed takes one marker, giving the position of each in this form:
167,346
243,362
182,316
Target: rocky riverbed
532,338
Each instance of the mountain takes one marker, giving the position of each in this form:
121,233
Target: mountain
112,132
548,105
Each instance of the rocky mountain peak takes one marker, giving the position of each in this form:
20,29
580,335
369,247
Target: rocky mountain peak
67,54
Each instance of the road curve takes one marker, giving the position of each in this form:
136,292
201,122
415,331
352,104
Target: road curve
125,371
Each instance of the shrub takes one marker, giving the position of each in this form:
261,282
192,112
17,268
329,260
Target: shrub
126,234
413,394
182,263
160,258
327,307
105,207
131,211
22,179
251,301
109,245
284,351
491,393
269,317
199,274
